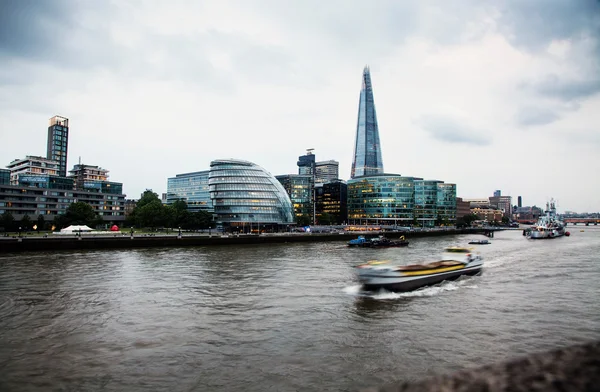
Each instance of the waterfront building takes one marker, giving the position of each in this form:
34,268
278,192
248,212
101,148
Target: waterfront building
58,142
300,190
426,198
446,203
4,176
306,163
244,194
487,213
332,199
326,171
478,202
192,188
463,208
130,205
381,199
367,148
94,179
32,166
503,203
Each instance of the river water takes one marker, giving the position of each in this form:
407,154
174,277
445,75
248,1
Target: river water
284,317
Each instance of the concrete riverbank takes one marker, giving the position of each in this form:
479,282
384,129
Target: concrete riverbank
123,241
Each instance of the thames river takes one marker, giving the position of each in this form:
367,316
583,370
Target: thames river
284,317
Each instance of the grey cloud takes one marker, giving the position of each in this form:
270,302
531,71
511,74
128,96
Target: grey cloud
450,130
532,116
534,24
567,90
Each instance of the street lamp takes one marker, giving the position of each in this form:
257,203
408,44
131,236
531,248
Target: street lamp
179,231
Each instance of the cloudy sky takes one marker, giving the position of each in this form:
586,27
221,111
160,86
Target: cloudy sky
485,94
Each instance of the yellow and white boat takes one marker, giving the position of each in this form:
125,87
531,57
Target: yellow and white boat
455,262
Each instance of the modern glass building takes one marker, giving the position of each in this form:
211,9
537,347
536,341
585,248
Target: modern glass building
4,176
367,149
58,142
446,203
426,197
332,199
244,193
381,199
326,171
306,163
192,188
299,188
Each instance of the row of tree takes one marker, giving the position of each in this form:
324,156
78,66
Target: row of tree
149,212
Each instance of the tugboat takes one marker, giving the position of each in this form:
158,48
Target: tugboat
549,225
454,263
479,242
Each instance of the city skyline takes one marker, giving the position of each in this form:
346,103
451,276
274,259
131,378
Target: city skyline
487,97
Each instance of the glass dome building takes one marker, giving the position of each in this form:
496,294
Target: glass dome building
244,194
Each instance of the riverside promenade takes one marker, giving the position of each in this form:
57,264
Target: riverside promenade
15,244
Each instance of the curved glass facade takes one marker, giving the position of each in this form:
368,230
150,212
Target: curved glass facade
379,199
243,192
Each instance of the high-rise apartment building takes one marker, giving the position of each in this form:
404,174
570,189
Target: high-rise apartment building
367,148
58,142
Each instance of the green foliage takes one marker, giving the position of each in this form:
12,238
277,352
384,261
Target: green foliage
150,212
81,213
7,221
41,223
325,219
25,223
303,220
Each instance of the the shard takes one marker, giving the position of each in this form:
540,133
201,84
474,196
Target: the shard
367,149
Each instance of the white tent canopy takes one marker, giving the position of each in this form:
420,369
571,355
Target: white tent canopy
73,229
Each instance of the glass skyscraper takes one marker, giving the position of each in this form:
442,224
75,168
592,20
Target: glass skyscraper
191,188
367,149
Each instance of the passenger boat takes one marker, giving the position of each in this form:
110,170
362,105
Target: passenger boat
549,225
455,262
479,242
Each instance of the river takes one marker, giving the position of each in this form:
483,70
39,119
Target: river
284,317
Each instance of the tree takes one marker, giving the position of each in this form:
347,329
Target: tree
325,219
81,213
25,223
303,220
7,221
41,222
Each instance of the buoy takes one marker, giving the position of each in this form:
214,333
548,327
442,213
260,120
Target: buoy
567,234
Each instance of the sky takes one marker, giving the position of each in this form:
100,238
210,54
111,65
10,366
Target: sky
484,94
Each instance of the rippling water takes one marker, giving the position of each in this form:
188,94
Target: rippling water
283,317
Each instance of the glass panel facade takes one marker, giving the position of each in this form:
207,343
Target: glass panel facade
242,192
387,198
426,194
367,148
446,203
192,188
300,190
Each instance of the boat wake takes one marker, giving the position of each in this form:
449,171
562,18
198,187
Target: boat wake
463,283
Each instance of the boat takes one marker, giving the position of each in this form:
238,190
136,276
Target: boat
360,241
454,263
379,242
549,225
479,242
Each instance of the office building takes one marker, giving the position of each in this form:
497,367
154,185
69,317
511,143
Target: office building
299,188
332,199
426,195
306,163
4,176
192,188
503,203
326,171
244,194
367,148
58,143
463,208
446,204
519,202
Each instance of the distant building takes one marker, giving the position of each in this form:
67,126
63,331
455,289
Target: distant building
503,203
192,188
326,171
426,193
519,202
482,202
4,176
129,206
299,188
497,193
367,159
58,142
463,208
332,199
32,166
489,214
306,163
